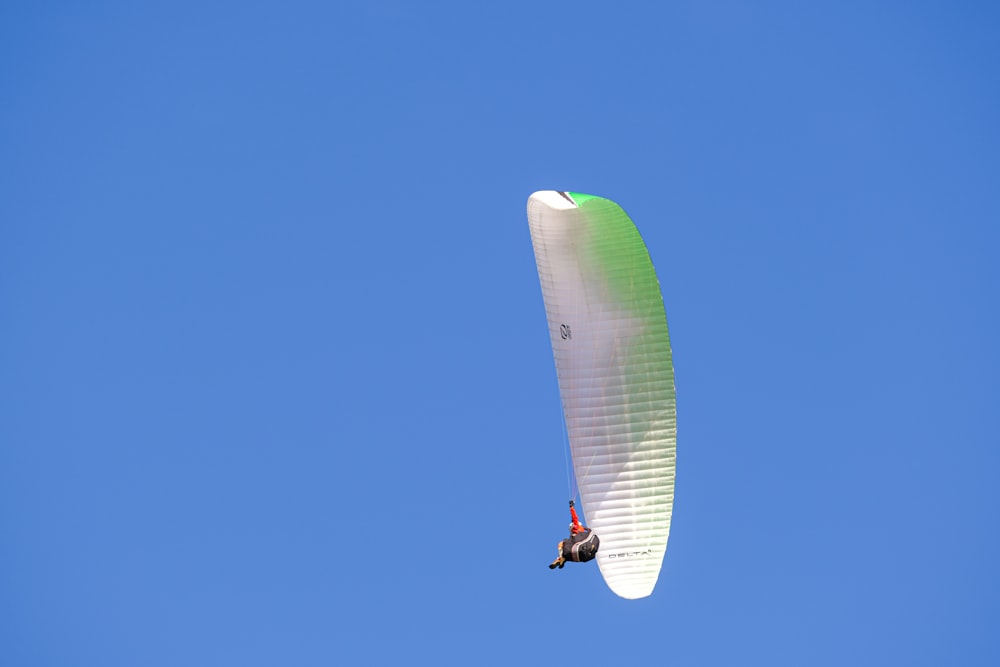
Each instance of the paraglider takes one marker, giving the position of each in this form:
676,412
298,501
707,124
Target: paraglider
614,365
580,547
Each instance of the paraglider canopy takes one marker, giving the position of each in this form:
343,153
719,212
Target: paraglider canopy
613,360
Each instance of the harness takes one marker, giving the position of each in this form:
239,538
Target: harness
581,547
583,543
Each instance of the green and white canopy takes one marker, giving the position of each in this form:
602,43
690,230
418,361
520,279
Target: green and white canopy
616,378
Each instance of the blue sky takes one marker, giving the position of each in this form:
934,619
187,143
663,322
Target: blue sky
268,303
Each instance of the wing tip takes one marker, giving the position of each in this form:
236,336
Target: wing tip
553,199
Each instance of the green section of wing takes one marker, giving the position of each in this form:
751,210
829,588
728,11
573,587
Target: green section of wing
580,198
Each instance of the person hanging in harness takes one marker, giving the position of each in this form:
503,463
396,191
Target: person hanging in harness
580,546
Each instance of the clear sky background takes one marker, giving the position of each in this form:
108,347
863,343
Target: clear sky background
275,379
